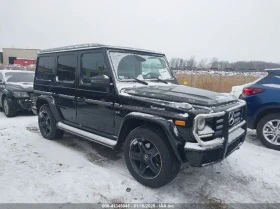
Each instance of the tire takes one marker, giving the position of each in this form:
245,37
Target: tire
47,124
263,126
8,108
158,161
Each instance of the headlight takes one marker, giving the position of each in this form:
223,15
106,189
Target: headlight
201,124
20,94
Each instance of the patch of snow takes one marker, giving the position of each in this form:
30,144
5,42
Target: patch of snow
184,115
206,130
73,170
194,146
132,84
224,98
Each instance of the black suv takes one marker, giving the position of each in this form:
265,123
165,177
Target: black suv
120,96
16,91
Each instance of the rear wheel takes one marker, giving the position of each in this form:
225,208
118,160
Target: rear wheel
47,124
149,158
268,131
8,108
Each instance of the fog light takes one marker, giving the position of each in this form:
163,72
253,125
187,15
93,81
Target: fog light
201,124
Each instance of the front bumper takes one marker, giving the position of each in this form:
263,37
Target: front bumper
205,153
21,103
25,103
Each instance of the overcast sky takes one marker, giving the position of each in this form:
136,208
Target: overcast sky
227,29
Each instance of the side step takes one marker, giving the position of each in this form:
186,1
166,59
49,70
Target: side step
90,136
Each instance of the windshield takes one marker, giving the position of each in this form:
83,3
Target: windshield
19,77
128,65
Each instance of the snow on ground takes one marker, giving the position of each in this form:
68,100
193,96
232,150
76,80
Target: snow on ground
35,170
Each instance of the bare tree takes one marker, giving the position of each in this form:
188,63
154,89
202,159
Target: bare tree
191,63
172,62
214,63
224,64
181,63
202,63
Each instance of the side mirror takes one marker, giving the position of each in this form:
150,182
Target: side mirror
100,81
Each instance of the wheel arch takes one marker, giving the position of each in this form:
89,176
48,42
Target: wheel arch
48,100
134,120
265,111
5,93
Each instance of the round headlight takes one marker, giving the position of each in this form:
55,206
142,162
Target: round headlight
201,124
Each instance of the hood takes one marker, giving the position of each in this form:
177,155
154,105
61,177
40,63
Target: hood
178,93
20,86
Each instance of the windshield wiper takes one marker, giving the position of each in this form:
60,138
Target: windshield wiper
139,81
158,79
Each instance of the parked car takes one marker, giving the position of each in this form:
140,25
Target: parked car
263,103
16,91
118,97
237,90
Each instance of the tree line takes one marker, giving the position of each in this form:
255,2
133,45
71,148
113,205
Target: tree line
215,63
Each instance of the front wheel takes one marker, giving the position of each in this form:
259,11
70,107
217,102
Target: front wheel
268,131
8,108
47,124
149,158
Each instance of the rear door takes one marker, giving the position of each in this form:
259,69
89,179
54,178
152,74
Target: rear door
44,75
64,85
95,110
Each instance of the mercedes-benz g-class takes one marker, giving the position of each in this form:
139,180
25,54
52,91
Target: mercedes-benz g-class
123,97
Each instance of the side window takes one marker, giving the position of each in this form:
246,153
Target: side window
92,64
66,68
45,68
1,77
269,79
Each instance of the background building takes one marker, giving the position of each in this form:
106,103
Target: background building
12,54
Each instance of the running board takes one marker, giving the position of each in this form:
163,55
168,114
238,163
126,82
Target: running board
84,134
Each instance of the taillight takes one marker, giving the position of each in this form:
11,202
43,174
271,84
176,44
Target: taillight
251,91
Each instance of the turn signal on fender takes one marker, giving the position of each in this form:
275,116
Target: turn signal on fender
180,123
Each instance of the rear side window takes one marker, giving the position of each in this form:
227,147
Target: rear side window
92,65
269,79
45,68
1,77
66,68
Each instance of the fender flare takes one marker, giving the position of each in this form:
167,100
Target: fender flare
5,93
168,126
51,103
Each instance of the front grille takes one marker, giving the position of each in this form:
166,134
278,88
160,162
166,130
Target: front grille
237,118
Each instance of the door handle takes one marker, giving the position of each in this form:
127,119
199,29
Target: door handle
80,99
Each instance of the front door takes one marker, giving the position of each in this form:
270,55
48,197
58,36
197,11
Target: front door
95,110
65,83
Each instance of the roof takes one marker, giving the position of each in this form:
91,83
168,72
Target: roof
25,59
20,49
7,71
91,46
